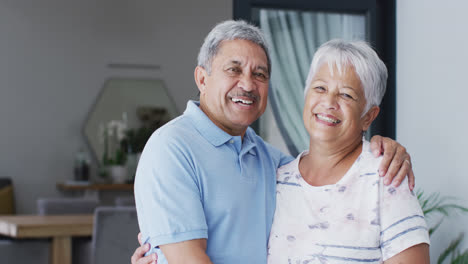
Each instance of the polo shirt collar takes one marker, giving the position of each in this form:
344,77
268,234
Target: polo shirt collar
215,135
249,141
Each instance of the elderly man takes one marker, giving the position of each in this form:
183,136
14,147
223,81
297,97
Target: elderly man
205,186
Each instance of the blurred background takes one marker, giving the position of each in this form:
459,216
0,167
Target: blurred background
58,56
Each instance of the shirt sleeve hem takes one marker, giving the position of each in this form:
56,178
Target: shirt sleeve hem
155,241
406,243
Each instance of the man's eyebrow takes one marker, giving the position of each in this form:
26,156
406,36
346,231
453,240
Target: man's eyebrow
235,62
263,68
238,63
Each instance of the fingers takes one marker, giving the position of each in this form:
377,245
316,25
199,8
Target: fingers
151,259
398,168
388,163
401,173
139,239
376,145
411,178
139,253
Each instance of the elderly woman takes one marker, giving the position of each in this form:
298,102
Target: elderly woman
332,206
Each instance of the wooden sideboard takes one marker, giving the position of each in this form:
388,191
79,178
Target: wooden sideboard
95,187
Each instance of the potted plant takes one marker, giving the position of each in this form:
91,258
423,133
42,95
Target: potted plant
115,155
434,205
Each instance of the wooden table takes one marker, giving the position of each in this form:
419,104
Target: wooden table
61,228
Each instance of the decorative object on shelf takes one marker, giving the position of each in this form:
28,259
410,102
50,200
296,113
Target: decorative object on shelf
81,166
112,135
114,157
118,173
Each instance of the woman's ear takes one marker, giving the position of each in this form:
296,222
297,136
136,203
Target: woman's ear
369,117
200,75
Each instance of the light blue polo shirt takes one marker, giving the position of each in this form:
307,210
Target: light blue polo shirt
196,181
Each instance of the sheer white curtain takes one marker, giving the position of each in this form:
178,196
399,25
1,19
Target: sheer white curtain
294,36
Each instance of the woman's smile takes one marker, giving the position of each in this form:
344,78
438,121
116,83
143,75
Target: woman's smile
327,119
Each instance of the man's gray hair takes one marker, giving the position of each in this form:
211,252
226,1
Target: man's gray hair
230,30
368,66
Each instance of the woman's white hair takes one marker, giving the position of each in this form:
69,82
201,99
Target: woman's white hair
230,30
368,66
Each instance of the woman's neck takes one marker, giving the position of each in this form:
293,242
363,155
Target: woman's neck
326,163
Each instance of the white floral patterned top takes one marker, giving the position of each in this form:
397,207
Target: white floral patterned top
356,220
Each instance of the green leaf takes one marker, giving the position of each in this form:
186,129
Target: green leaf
451,249
434,228
434,203
461,258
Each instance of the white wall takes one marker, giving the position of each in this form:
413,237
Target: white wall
53,57
432,100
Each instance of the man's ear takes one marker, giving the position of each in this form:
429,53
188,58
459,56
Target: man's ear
200,75
369,117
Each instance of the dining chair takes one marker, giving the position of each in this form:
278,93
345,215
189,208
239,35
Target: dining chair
128,200
24,251
81,246
114,234
61,206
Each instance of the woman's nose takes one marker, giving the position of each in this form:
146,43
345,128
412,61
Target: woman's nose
330,101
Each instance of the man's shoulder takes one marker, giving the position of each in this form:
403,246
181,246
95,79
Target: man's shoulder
177,128
178,133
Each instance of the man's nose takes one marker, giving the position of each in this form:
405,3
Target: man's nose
246,82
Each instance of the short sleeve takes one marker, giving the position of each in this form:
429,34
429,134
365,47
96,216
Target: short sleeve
167,193
402,220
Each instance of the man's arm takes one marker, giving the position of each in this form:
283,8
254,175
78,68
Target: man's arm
418,254
186,252
168,200
396,162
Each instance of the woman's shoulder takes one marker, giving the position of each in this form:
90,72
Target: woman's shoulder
367,160
289,171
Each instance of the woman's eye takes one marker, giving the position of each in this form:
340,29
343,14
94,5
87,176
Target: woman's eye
319,89
347,96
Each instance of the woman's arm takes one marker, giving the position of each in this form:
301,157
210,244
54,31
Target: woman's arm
418,254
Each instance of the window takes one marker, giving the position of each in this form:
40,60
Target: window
295,29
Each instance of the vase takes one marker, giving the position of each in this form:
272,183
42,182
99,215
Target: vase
118,173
